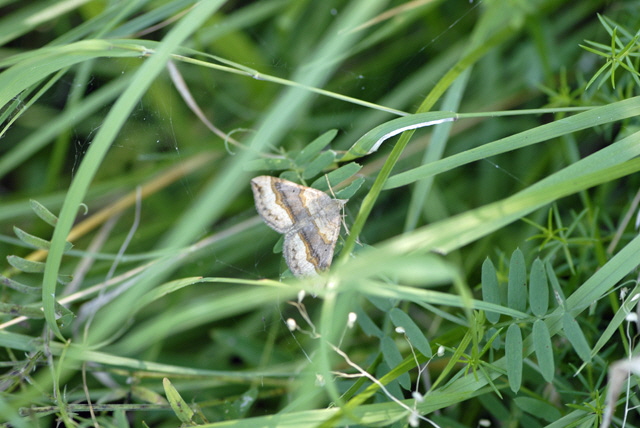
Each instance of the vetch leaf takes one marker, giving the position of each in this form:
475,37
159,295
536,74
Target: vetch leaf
513,354
36,242
336,177
576,337
42,212
538,289
290,175
393,358
517,288
64,316
497,342
29,239
319,164
22,288
366,323
271,164
351,189
495,406
25,265
393,387
543,349
538,408
557,290
25,311
413,332
313,148
490,290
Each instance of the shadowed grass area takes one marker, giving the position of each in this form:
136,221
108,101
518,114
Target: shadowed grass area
488,151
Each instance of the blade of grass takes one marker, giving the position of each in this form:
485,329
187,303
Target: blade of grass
106,134
597,116
371,197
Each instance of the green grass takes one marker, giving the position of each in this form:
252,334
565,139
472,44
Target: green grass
489,152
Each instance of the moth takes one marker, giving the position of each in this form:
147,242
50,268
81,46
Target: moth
309,219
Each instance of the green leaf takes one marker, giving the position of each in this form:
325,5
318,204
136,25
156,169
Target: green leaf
245,402
557,290
513,354
538,408
42,212
497,339
31,240
576,337
517,288
166,289
393,358
64,316
313,148
48,60
336,177
351,189
319,164
269,164
147,395
495,406
588,119
455,232
71,117
179,406
371,141
36,242
291,176
543,348
366,323
110,127
538,289
413,332
619,318
25,265
22,288
26,311
490,289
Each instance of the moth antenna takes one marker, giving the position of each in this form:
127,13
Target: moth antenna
344,214
326,177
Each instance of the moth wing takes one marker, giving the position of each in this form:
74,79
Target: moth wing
309,218
297,255
269,205
308,249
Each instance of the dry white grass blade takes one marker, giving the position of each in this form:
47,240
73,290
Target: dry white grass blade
618,373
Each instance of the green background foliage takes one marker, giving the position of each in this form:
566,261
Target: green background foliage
489,152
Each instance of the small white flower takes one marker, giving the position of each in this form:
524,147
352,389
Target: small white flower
623,293
413,419
351,320
291,324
